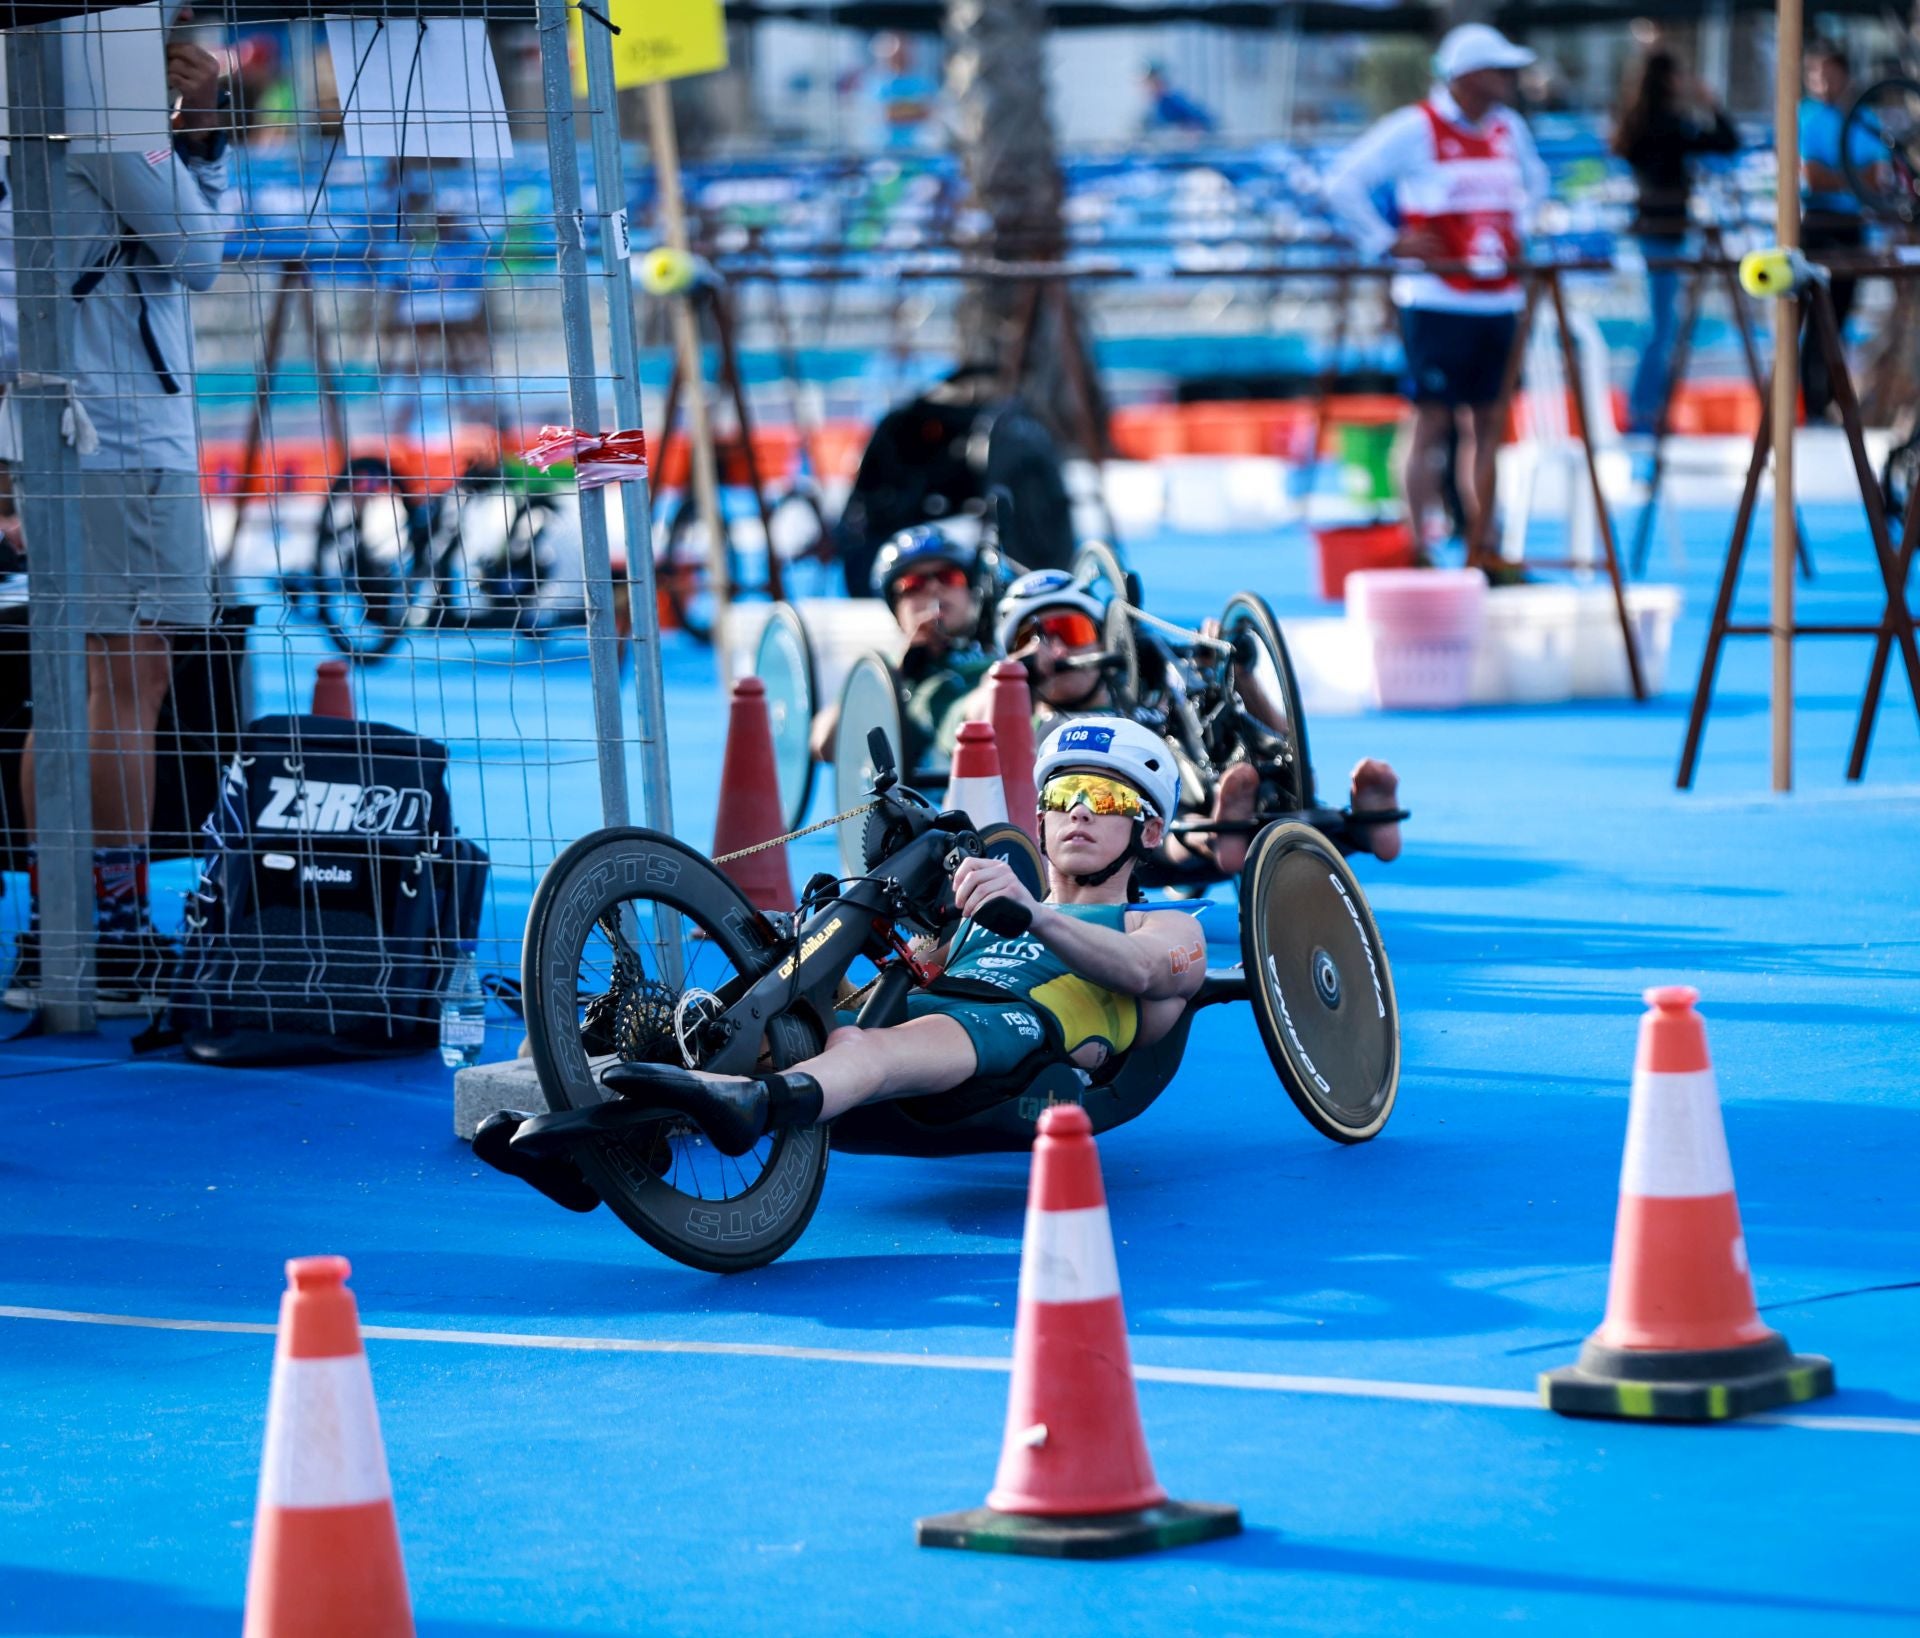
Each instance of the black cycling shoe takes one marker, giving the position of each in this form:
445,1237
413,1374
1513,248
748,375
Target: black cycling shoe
732,1111
555,1176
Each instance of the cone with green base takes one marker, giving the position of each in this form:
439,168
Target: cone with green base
1682,1340
1075,1480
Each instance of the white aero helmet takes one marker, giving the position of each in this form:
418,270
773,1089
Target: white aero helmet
1118,746
1042,589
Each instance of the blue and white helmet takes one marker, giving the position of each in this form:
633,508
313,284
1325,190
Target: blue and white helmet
1036,592
1115,745
918,548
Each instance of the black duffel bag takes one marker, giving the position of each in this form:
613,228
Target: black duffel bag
333,900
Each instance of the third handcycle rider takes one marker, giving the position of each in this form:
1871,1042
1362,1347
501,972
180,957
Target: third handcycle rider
1091,977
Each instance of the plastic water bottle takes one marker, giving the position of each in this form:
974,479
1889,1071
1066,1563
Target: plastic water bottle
463,1013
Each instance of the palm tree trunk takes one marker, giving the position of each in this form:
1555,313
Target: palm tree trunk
996,83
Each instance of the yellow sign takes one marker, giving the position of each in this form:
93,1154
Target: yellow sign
658,40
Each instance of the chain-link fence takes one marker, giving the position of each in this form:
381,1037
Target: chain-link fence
267,461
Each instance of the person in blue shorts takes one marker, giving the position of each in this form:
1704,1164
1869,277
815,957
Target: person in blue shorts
1092,977
1832,222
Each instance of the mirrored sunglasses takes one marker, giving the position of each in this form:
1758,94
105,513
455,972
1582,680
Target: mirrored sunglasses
1104,796
1066,626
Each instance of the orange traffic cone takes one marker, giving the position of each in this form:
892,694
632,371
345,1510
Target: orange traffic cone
1012,715
750,811
974,787
1681,1341
332,690
326,1552
1075,1480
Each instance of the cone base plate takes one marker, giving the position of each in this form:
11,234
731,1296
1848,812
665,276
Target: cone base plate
1085,1535
1685,1385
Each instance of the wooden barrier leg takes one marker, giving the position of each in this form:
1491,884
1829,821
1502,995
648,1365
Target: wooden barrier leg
1896,620
1571,364
736,388
1883,647
1483,459
257,413
1723,602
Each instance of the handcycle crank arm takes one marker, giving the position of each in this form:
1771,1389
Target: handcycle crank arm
1319,818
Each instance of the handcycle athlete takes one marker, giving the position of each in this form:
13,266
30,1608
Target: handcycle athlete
1079,976
642,957
937,587
1053,623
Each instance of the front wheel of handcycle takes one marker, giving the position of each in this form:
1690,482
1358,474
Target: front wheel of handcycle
634,944
1318,979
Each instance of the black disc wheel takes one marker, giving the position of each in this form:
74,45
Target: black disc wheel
1318,978
1012,844
869,699
1880,149
1270,694
783,661
364,551
634,945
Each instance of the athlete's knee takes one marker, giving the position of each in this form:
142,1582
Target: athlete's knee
847,1035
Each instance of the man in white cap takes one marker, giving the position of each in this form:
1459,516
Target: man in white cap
1452,182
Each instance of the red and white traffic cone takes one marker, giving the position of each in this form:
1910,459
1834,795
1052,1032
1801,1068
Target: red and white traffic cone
1075,1479
1682,1340
974,786
326,1550
750,808
1012,716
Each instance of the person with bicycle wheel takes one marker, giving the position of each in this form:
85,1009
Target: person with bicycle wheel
934,583
1091,977
1052,624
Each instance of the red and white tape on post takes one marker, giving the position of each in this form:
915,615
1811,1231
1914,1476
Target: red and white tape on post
599,458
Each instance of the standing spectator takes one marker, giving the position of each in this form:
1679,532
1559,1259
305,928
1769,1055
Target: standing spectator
1664,120
1462,178
146,229
1169,110
904,97
1831,216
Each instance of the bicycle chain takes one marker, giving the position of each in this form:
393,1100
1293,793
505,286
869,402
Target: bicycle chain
792,835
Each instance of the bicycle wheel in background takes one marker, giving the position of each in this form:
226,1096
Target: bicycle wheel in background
1318,979
1271,677
1098,567
366,545
784,662
633,943
1880,149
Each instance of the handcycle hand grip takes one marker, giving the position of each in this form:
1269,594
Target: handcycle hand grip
1004,917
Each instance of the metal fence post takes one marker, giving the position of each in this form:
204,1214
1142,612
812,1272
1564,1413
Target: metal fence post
576,318
623,345
49,484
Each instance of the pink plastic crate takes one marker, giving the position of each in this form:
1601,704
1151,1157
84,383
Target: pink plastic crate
1423,630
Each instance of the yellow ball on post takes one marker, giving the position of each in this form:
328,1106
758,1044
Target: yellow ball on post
1773,272
665,271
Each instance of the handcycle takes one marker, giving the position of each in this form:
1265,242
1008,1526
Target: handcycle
638,948
1217,700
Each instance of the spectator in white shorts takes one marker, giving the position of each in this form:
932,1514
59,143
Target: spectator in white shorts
146,229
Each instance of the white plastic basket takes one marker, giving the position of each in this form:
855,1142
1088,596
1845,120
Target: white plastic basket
1599,655
1526,655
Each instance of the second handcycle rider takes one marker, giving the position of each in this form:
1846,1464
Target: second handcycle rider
1091,977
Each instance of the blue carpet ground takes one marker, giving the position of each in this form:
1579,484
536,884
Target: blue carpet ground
745,1482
